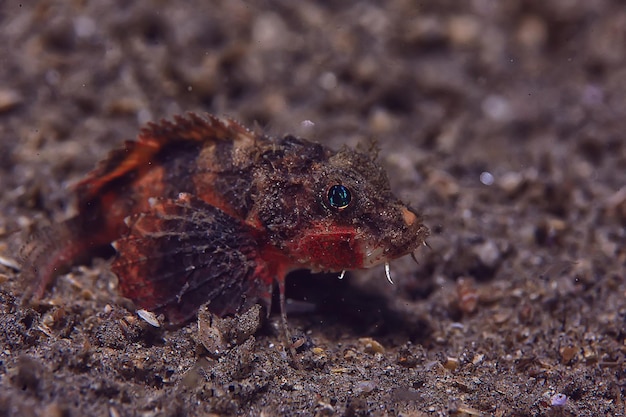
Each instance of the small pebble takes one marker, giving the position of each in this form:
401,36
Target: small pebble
444,184
558,400
9,263
497,108
488,253
371,346
317,351
568,353
510,182
364,387
486,178
532,32
349,354
9,99
210,334
464,30
451,363
467,295
149,317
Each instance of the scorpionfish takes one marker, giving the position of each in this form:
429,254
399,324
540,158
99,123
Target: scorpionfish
201,210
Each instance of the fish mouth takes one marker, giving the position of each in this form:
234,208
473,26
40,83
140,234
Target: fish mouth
413,235
383,252
380,254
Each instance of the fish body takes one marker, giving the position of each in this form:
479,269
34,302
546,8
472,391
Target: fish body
200,209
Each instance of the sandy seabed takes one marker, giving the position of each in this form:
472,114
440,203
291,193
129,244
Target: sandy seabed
502,122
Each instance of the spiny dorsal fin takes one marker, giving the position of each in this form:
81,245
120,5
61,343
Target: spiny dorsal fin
192,127
137,156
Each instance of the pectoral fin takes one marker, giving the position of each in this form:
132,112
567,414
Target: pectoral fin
184,253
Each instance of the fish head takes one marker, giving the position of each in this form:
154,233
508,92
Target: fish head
335,211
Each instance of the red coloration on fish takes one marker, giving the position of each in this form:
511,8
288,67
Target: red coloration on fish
203,210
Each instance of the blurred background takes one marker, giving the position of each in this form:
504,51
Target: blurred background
502,122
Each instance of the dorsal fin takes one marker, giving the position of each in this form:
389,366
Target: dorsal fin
137,155
192,127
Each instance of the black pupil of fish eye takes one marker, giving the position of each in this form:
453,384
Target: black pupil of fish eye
339,196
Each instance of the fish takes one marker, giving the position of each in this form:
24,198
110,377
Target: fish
200,210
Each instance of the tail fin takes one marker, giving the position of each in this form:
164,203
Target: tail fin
51,251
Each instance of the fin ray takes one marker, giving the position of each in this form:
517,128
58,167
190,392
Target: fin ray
163,273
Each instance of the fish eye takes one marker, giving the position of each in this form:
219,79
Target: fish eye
339,196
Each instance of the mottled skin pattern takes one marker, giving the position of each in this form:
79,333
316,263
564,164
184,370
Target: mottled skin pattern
202,210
